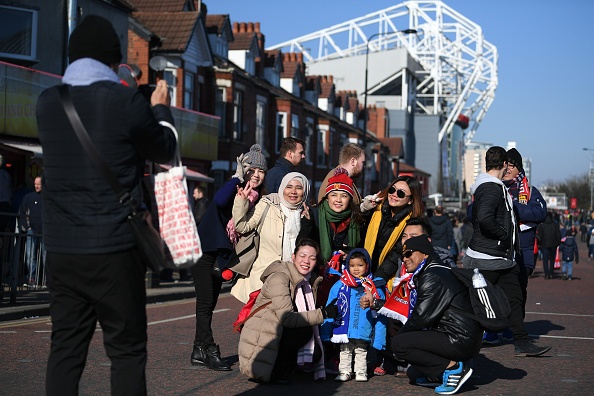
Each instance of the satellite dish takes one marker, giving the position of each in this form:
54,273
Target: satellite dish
158,63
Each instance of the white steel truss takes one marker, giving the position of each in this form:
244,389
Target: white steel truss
460,66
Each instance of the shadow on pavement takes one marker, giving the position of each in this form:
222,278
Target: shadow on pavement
490,371
542,327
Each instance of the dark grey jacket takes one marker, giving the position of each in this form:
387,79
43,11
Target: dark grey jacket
81,213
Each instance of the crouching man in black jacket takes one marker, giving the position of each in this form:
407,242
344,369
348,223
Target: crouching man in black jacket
438,338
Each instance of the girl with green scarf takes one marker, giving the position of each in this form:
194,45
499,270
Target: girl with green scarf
339,223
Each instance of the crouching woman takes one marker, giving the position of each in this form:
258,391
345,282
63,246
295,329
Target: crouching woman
284,334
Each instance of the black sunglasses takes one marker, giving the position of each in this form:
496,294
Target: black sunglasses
400,193
407,253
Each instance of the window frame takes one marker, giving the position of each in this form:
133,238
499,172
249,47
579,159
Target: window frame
34,20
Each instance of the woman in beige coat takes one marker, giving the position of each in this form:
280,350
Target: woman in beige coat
284,333
287,220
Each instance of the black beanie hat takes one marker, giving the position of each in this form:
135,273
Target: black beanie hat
419,243
95,38
515,158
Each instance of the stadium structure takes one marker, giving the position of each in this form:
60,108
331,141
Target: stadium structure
427,64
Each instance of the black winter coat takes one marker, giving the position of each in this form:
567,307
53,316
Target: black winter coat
549,234
440,298
493,229
81,213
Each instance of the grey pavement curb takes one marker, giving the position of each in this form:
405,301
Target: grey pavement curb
153,296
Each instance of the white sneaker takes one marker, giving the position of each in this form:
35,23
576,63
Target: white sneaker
343,377
361,377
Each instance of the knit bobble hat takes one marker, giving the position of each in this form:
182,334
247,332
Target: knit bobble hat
256,159
515,158
419,243
95,38
340,182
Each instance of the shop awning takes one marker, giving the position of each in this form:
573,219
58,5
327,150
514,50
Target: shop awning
29,149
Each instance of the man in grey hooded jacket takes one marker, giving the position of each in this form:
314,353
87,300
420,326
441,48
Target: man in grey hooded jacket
494,244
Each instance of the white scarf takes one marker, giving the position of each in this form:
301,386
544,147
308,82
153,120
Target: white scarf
305,302
292,213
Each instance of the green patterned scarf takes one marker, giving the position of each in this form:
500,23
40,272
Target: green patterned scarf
327,216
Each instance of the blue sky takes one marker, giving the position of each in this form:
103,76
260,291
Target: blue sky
545,97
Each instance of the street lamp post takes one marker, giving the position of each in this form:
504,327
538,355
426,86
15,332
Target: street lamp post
591,179
364,140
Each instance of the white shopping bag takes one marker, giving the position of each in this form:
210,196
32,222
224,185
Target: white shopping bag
176,221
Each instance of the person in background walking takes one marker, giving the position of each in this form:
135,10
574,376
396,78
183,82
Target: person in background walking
5,195
443,231
569,252
94,269
549,236
591,243
200,203
292,153
31,224
351,162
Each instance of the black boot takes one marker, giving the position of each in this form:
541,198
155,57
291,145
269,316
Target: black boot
212,359
197,358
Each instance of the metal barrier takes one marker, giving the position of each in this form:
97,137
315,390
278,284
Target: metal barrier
22,258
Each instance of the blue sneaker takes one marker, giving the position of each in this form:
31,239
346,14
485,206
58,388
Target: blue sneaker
490,338
508,335
454,379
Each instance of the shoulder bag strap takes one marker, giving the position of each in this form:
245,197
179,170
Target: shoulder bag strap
88,146
262,218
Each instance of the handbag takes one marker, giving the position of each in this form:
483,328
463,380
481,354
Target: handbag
148,240
247,248
176,220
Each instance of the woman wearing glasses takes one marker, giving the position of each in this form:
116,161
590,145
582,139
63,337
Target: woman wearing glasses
401,201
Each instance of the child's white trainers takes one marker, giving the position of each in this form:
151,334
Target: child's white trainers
343,377
361,377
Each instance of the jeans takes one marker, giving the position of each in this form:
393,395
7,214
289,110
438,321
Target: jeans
548,260
568,268
33,250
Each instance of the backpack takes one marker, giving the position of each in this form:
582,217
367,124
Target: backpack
246,311
490,304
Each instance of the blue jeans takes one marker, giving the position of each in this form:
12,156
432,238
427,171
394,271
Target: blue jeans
32,246
568,268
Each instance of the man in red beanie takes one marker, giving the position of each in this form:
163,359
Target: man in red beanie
94,270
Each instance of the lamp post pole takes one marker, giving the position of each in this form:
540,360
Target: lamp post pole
364,139
591,180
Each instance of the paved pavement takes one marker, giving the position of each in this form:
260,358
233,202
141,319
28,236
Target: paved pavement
559,313
34,303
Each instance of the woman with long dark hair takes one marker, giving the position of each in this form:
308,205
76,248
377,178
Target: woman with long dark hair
218,237
401,200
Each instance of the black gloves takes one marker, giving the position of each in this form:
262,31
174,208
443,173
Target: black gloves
330,311
529,271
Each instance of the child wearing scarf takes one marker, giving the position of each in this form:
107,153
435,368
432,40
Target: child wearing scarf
355,328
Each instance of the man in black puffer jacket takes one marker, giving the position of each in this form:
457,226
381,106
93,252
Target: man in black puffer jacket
495,242
438,337
94,272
